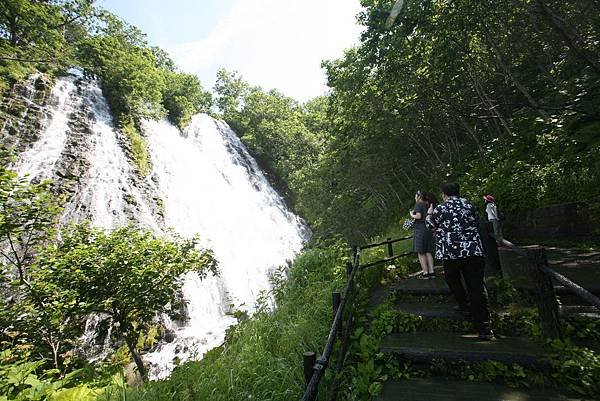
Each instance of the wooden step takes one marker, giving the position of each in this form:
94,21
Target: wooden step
441,389
430,310
416,286
587,311
446,310
425,346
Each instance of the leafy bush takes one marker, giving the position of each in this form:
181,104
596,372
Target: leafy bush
576,368
261,358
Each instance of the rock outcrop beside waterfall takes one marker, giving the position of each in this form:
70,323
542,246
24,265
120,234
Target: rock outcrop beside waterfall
23,111
29,111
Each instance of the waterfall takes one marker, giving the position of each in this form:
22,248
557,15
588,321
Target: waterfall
208,185
38,161
211,186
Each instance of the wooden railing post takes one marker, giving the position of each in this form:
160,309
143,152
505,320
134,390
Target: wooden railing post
544,293
336,298
310,358
390,248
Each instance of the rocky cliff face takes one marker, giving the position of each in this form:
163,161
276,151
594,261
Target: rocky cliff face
60,129
23,112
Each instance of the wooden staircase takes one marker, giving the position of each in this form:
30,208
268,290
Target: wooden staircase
430,299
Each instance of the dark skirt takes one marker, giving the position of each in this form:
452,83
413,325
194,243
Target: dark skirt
422,239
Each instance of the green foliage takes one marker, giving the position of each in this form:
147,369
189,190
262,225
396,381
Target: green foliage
492,371
576,368
119,56
24,380
581,328
260,358
38,35
127,274
230,89
501,291
139,149
183,97
27,213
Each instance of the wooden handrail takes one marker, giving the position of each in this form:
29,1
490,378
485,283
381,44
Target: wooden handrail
314,368
572,286
393,241
542,275
386,260
322,362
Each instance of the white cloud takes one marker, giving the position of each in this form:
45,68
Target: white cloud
275,43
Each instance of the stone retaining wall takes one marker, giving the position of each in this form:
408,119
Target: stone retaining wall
567,221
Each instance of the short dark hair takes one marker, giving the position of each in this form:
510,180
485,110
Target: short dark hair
451,188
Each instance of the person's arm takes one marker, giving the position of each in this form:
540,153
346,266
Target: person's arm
419,212
432,217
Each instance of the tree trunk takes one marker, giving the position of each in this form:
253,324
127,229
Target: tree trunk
136,356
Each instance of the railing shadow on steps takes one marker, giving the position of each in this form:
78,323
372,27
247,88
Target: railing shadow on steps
542,275
314,368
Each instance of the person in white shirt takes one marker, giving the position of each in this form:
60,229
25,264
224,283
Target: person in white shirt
492,214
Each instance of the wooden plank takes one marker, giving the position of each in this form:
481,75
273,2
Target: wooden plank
440,389
425,346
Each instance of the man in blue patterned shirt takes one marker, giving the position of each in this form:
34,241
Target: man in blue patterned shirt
458,244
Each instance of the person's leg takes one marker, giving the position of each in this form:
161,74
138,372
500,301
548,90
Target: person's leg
452,274
497,231
429,258
473,273
423,263
500,235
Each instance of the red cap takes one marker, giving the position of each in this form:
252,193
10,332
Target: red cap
488,198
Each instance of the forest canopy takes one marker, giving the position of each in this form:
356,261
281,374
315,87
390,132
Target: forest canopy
502,96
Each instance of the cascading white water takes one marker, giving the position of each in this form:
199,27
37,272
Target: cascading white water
109,178
209,186
212,187
38,161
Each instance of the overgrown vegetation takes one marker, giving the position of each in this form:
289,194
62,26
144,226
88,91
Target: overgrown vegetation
262,357
52,281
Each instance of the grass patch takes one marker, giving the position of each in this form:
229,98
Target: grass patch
139,148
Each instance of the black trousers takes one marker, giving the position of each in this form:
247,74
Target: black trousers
471,269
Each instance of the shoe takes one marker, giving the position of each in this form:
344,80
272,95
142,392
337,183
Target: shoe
485,331
423,276
486,335
431,275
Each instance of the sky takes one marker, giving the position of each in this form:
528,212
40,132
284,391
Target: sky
276,44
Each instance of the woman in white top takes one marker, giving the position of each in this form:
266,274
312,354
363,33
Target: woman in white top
492,214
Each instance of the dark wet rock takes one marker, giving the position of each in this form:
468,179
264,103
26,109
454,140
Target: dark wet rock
169,336
22,113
